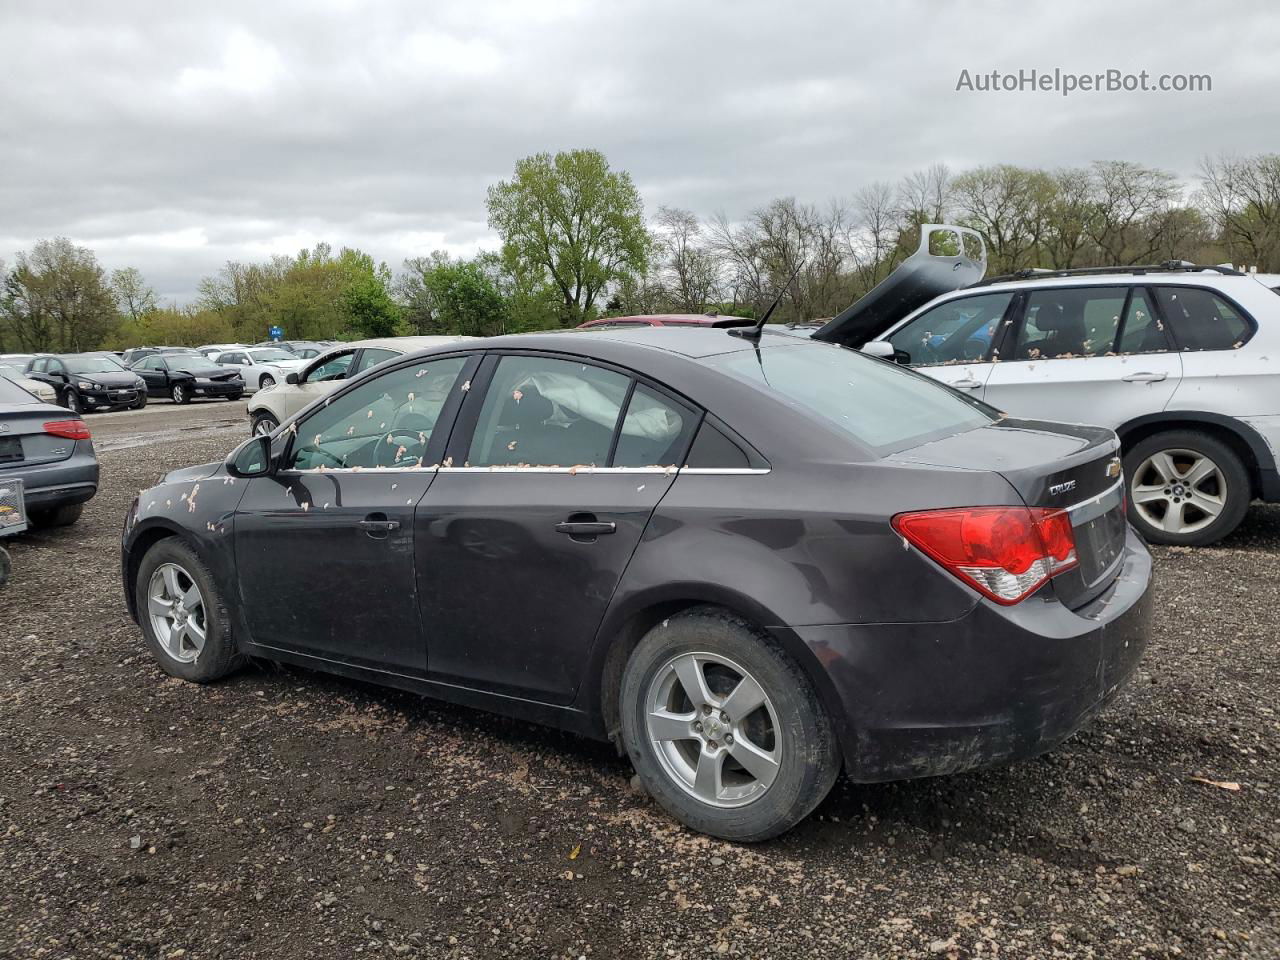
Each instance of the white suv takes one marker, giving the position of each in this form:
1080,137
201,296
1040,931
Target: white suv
1183,362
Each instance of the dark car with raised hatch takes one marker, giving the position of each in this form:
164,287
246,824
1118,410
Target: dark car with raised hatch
749,559
184,375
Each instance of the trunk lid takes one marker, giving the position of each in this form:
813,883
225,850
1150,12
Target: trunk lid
23,442
1065,466
948,258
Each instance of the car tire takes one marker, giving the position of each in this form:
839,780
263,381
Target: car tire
62,516
267,381
1186,488
6,566
71,400
179,394
172,569
140,403
233,397
788,728
263,424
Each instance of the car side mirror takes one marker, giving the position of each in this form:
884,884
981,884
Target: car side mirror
291,378
252,458
880,349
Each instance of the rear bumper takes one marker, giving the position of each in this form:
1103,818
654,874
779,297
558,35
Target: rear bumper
999,684
60,484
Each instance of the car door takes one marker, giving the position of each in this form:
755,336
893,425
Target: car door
955,341
535,515
155,371
1085,354
324,547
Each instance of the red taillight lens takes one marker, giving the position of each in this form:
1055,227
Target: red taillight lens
71,429
1003,552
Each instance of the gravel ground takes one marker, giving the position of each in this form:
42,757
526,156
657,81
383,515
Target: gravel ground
288,814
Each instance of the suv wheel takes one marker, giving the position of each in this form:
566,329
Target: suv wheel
183,616
724,729
1186,487
264,424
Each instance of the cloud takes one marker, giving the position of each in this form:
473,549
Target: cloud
174,138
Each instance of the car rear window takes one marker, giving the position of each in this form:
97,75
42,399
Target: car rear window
1202,320
884,407
10,392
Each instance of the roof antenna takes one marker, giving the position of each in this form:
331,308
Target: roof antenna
753,333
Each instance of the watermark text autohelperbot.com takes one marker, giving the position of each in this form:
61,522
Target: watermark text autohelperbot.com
1065,82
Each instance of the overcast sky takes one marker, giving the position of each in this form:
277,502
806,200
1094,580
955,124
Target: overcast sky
173,137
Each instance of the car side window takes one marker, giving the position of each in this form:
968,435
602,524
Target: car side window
1201,320
58,367
1142,331
544,412
1065,322
714,449
371,357
958,331
335,368
38,366
385,422
655,431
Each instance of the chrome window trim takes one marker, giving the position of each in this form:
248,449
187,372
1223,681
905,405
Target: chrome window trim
632,471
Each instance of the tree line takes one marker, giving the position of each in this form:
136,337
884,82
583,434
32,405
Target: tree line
576,244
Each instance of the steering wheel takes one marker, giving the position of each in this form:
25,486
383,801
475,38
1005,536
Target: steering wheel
388,448
321,452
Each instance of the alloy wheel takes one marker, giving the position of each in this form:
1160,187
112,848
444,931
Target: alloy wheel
72,402
713,729
266,381
177,612
179,393
1179,491
263,426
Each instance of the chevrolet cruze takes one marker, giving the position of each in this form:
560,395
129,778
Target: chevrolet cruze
752,561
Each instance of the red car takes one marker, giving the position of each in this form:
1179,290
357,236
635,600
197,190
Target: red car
667,320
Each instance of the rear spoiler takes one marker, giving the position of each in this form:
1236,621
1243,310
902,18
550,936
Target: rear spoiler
949,257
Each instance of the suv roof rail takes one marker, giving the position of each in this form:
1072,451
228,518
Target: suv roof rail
1168,266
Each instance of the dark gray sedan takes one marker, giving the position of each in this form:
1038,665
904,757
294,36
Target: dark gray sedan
751,561
49,450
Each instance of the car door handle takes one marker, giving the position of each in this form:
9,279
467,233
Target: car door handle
967,384
1144,377
586,528
378,526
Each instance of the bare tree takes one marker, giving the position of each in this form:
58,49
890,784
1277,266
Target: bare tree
1241,195
688,269
1129,201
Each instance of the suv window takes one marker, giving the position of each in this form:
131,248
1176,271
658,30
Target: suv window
386,422
372,356
544,412
1142,331
1064,322
1201,320
958,331
882,406
335,368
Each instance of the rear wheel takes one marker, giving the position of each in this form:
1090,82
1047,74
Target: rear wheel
267,381
1186,488
183,616
724,729
179,393
62,516
264,424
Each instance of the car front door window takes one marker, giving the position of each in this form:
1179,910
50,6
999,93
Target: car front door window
958,331
334,368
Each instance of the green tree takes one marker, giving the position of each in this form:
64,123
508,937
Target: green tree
56,298
574,219
465,300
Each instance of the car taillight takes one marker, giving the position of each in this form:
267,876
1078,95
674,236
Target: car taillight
71,429
1005,553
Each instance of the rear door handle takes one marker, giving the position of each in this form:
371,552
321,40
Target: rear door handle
586,528
1144,377
967,384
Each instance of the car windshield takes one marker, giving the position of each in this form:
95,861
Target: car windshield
93,365
881,405
269,355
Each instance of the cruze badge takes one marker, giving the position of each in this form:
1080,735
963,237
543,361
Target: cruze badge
1063,487
1113,468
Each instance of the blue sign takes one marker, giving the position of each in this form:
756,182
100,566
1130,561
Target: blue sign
276,333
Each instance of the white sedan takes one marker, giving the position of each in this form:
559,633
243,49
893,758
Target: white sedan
261,367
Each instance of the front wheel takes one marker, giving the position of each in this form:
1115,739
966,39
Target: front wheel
1186,488
264,424
140,403
71,400
182,613
724,729
179,394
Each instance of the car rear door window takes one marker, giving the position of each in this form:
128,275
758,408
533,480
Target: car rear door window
1201,320
385,422
958,331
1142,331
546,412
1064,322
655,432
